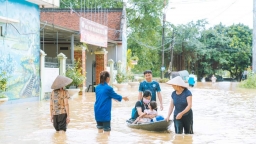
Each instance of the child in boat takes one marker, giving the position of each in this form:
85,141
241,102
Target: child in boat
151,111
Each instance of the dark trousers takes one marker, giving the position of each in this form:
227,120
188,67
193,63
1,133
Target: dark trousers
186,123
60,122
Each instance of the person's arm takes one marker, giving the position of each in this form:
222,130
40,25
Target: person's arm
170,110
51,107
160,100
67,106
140,96
189,101
159,95
140,91
116,96
138,118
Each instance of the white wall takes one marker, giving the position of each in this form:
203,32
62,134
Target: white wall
51,50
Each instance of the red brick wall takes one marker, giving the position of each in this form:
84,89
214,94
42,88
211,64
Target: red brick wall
81,55
71,20
101,65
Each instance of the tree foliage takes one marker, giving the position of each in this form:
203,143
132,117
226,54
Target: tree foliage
200,49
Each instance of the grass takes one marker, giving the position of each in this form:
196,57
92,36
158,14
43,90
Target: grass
250,82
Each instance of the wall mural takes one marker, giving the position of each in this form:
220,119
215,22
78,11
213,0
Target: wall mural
19,48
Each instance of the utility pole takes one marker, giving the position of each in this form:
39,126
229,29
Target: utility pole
254,38
171,48
164,18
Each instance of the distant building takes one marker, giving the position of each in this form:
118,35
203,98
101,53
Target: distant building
62,32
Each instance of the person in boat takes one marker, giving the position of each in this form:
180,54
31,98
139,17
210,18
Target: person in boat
103,103
181,102
152,86
59,107
151,111
141,106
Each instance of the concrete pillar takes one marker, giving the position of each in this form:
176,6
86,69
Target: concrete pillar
101,62
42,67
111,64
119,66
62,61
72,48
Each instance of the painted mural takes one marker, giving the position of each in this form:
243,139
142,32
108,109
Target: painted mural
19,48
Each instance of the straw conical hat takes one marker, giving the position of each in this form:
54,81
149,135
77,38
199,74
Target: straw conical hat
60,82
177,81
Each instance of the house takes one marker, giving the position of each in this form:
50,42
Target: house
20,45
62,32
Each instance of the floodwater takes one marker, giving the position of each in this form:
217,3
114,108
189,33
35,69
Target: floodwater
223,114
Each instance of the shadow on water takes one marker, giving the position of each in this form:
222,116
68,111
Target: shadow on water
223,113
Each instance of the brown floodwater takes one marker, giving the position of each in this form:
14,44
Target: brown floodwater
223,114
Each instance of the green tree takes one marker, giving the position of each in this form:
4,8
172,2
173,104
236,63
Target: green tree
213,55
240,50
145,33
77,4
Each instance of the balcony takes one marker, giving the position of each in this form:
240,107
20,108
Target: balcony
46,3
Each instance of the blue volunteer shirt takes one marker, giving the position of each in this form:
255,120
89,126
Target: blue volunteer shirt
151,86
103,103
180,101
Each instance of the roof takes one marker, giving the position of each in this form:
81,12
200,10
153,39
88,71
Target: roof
69,19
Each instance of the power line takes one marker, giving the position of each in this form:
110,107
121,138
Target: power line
224,10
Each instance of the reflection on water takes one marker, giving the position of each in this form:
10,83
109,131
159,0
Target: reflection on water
222,114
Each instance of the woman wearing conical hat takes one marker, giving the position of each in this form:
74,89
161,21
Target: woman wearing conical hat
181,102
59,107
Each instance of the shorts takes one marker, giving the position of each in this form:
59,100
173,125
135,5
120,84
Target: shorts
104,125
185,122
191,85
60,122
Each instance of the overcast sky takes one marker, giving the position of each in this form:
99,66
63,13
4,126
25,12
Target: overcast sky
215,11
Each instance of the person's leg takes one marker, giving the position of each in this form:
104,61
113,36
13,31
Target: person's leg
178,125
188,123
55,122
107,127
62,122
100,127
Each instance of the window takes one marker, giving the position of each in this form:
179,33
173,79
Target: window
63,48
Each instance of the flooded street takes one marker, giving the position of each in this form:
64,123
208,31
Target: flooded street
222,114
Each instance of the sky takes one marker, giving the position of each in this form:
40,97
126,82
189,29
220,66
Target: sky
227,12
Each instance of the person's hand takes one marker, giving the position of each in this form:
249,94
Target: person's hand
179,116
115,100
152,116
125,98
52,119
68,120
167,119
161,107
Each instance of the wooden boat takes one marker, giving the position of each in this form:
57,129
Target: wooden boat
152,126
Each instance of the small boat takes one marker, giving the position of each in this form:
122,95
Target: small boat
152,126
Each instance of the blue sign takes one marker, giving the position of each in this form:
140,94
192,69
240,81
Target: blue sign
162,68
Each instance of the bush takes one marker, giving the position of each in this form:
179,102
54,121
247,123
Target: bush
120,78
76,75
130,76
3,84
164,80
249,82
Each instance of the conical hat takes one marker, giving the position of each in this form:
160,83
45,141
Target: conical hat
60,82
177,81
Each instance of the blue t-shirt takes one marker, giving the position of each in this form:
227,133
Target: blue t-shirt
103,103
180,101
151,86
191,80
